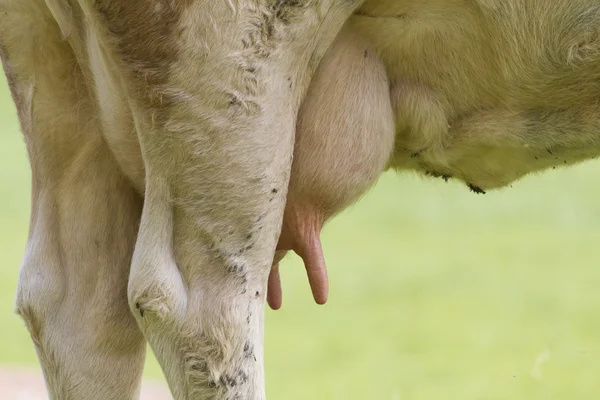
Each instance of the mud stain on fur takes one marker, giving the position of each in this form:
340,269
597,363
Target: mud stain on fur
476,189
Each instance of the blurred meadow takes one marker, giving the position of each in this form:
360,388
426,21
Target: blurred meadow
436,293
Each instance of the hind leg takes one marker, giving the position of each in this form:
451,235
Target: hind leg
73,280
215,109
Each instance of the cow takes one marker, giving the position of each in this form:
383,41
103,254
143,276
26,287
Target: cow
179,149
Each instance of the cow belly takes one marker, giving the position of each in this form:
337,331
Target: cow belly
487,91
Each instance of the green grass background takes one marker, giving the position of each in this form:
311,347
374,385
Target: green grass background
436,293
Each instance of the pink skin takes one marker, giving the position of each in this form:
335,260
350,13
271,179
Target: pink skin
301,233
344,140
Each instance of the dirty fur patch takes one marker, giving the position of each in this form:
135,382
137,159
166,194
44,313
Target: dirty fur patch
143,35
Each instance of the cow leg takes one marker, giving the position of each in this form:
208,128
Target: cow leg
215,97
72,290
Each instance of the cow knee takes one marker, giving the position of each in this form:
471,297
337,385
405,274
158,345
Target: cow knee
40,289
156,290
40,298
29,310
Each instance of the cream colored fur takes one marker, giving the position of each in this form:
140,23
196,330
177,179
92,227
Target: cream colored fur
161,134
488,91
